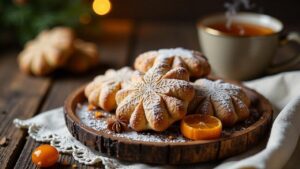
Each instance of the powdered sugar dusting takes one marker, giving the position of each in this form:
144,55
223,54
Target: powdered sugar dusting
151,88
103,87
122,75
193,61
87,118
180,52
217,91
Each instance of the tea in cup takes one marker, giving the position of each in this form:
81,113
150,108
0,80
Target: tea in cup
242,50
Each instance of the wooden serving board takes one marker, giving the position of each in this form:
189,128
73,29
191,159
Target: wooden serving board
170,152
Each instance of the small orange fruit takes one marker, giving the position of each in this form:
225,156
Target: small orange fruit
91,107
201,127
44,156
98,114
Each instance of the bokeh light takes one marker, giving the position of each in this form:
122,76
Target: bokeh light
101,7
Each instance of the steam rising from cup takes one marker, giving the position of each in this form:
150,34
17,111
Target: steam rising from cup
232,8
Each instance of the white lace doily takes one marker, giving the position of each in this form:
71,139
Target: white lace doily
50,127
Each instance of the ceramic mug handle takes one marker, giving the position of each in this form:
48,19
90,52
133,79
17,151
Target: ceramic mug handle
292,39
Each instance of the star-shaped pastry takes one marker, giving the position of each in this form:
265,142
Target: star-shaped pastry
102,90
50,50
226,101
193,61
156,100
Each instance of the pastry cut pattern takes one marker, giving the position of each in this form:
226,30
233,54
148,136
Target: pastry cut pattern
155,100
50,50
193,61
102,90
226,101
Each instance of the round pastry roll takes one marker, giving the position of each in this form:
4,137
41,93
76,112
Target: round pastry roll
155,100
193,61
102,90
84,57
50,50
226,101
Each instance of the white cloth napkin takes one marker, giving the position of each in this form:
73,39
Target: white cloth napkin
279,151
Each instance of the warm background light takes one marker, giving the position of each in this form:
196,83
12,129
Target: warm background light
101,7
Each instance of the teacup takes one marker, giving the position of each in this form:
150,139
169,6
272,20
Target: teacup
241,56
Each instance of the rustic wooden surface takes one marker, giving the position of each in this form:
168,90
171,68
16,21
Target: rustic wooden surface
23,97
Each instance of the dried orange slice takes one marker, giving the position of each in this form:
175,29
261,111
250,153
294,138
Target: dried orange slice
201,127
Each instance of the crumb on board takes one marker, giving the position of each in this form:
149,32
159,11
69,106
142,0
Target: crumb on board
171,137
91,107
99,114
3,141
79,105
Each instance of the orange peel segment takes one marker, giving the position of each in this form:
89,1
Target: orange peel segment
201,127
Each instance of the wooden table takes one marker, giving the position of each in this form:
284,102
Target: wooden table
22,96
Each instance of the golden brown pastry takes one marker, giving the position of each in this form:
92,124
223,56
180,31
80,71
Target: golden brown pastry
196,64
102,90
156,100
84,57
226,101
50,50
